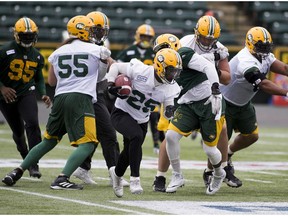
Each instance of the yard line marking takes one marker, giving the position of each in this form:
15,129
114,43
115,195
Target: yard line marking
153,164
73,201
261,181
270,173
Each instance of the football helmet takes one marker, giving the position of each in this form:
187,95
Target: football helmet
25,32
144,36
166,41
81,27
168,65
207,32
102,25
259,41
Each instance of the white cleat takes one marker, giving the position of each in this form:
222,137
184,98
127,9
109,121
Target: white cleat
216,183
135,186
117,183
177,181
84,175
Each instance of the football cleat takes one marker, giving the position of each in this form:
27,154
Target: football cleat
34,171
135,186
177,181
159,184
216,183
117,183
63,183
207,177
12,177
84,175
230,179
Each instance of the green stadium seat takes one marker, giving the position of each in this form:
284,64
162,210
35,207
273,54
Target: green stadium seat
279,28
6,10
259,7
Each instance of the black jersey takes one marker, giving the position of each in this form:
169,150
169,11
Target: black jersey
21,68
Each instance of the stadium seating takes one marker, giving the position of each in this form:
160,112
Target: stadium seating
177,17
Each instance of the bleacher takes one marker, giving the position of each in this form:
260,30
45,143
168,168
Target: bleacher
176,17
273,16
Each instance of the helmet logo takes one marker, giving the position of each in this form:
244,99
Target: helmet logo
80,26
250,37
172,39
160,58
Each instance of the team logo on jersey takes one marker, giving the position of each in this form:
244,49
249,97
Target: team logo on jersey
141,78
10,52
80,26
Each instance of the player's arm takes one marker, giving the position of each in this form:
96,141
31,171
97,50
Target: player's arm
199,63
115,70
279,67
52,80
224,72
259,81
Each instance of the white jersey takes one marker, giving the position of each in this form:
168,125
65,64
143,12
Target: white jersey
76,68
239,91
146,92
190,41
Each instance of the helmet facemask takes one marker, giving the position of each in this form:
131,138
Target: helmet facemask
26,39
263,49
170,74
100,34
146,41
205,43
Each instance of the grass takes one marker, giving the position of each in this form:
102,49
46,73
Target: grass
34,197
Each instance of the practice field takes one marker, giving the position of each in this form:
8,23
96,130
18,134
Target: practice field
263,168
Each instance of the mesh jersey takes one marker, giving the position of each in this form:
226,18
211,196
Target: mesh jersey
194,84
190,41
21,68
146,94
239,91
76,68
144,55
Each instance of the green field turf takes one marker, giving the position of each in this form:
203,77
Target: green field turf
263,168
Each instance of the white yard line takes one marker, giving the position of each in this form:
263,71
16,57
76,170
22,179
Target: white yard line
72,200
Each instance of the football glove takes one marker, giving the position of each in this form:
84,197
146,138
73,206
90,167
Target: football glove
113,90
215,99
169,111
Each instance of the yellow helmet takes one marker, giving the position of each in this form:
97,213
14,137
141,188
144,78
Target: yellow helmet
81,27
168,65
144,36
259,41
166,41
25,32
102,25
207,32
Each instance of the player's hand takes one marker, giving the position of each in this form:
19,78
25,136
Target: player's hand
223,53
46,99
104,53
114,90
169,111
215,99
9,94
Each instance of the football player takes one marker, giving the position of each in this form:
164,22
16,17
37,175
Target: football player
204,42
151,86
21,74
75,68
106,133
142,50
196,75
248,74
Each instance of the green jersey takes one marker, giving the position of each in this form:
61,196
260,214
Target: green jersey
21,68
188,78
144,55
